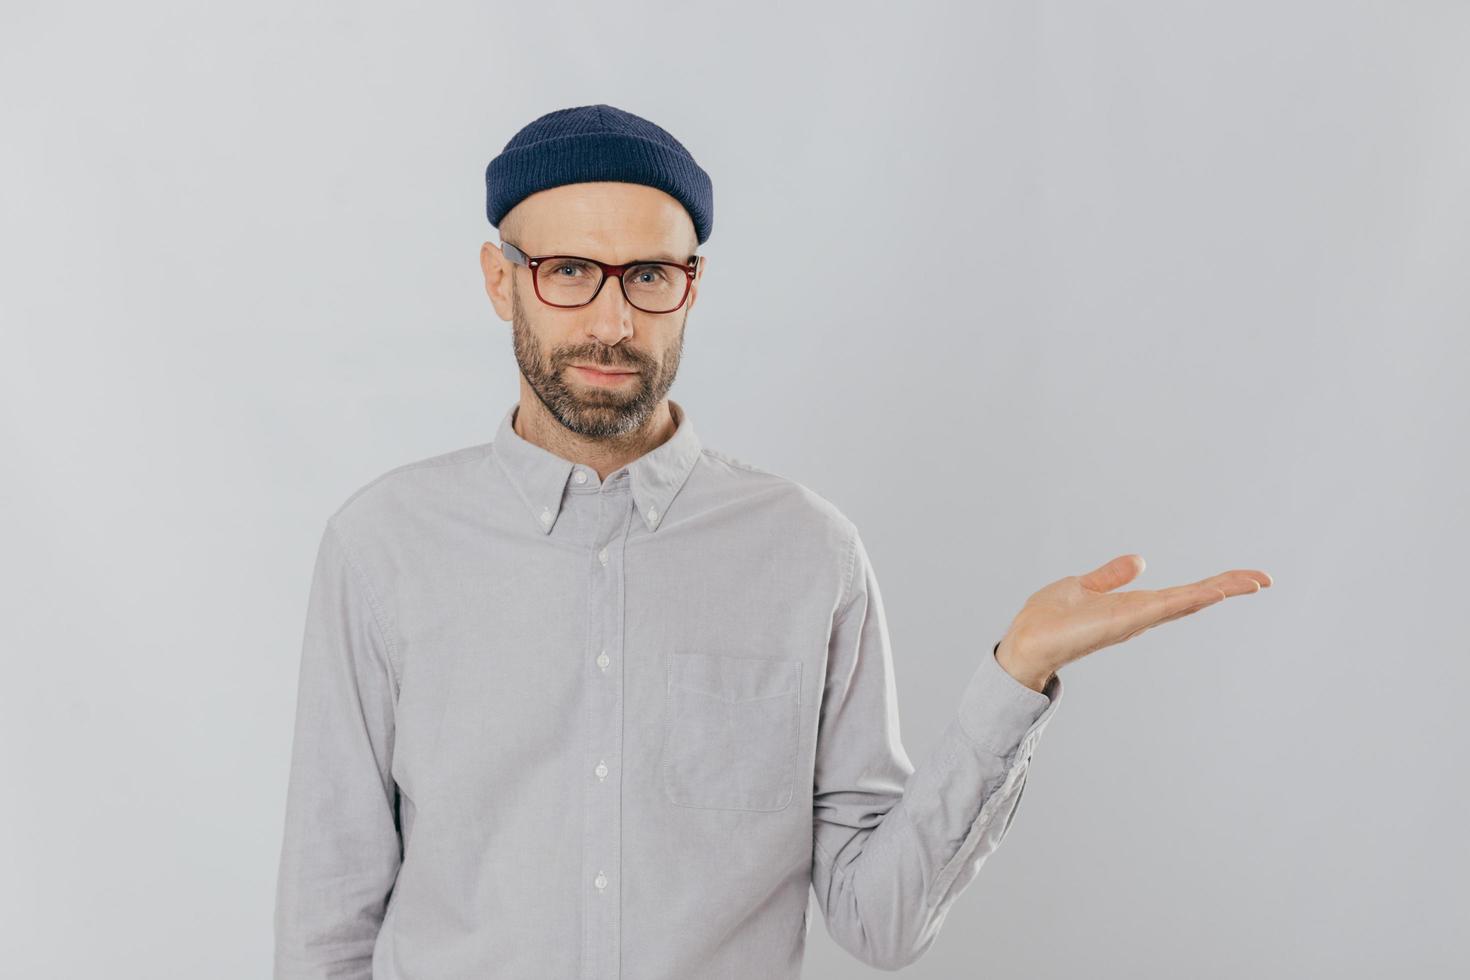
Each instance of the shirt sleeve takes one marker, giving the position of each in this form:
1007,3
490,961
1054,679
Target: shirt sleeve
342,848
894,845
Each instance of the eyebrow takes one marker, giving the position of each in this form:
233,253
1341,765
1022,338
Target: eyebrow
660,257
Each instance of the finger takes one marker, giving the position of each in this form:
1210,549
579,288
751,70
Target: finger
1213,596
1138,610
1196,607
1239,581
1119,571
1169,601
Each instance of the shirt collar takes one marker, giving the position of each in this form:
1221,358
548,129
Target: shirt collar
540,476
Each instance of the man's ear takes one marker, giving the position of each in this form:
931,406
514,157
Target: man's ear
497,270
698,275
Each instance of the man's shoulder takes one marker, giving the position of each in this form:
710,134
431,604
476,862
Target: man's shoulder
408,484
762,487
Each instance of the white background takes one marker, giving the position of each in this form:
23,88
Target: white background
1019,286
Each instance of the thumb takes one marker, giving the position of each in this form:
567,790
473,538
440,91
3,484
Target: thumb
1119,571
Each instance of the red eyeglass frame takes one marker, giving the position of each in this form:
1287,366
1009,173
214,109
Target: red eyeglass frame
519,257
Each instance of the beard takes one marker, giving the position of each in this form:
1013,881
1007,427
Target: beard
589,411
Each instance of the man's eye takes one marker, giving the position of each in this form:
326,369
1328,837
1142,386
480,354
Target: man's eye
651,274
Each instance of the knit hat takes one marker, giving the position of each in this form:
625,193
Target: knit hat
596,142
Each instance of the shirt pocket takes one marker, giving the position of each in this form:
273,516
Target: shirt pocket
730,731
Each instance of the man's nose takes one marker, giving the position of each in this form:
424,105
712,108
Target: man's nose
612,316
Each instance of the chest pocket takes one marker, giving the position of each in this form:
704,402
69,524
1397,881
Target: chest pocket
730,731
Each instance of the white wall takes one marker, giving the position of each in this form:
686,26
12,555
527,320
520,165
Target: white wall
1196,288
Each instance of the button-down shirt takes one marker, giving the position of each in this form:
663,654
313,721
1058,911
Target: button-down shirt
555,726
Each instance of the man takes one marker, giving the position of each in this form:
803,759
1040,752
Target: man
595,700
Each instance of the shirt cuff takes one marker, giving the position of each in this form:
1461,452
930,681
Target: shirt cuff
997,711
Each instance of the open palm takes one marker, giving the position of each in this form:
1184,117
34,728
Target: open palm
1079,614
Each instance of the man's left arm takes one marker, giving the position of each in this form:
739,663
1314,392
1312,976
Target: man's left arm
894,844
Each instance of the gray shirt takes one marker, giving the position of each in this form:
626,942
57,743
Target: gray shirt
554,726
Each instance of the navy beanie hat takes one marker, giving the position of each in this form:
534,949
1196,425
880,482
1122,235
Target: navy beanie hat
596,142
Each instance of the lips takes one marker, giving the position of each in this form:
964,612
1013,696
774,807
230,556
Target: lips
602,379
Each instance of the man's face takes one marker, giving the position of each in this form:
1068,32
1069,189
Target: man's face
614,222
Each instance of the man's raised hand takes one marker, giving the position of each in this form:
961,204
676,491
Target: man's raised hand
1079,614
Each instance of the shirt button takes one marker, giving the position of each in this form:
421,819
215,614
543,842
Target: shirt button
602,660
601,770
653,513
580,476
602,556
600,881
545,515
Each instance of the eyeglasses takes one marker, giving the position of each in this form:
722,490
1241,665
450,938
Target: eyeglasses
569,281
